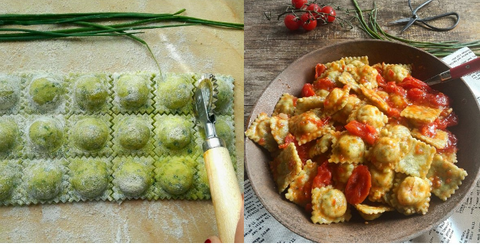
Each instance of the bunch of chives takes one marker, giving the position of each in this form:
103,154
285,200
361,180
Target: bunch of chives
89,24
440,49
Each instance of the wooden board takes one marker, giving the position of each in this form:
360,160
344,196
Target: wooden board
185,49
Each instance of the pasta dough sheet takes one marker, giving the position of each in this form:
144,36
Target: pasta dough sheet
105,137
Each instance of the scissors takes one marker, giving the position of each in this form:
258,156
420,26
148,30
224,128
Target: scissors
415,18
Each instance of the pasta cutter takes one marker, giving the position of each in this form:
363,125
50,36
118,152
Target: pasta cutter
224,188
455,72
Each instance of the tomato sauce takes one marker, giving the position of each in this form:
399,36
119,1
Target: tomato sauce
366,132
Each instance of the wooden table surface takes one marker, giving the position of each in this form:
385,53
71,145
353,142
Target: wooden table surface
270,47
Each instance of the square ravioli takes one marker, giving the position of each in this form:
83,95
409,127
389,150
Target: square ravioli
132,92
133,178
178,102
10,181
382,182
329,206
224,86
348,149
336,100
177,178
307,103
46,136
372,212
418,160
260,132
279,127
90,179
396,72
285,167
133,135
176,136
299,187
445,176
45,93
89,135
410,194
421,114
10,93
286,104
440,139
44,181
309,125
90,93
12,138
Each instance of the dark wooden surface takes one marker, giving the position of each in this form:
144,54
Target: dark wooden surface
270,47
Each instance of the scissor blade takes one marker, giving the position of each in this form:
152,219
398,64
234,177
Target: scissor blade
400,21
412,20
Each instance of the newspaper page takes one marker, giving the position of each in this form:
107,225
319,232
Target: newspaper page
463,226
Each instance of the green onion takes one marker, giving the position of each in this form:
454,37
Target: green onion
87,25
440,49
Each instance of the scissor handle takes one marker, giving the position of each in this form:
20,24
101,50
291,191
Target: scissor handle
434,28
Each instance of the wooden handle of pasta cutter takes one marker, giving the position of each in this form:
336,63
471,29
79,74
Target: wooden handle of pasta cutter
225,192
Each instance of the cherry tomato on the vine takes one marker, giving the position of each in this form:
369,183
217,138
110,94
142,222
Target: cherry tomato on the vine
315,9
308,21
292,22
329,13
298,4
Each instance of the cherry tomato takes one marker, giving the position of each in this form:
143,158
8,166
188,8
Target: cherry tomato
362,130
411,82
298,4
319,70
438,100
308,21
329,14
358,185
324,83
392,87
323,177
416,95
315,9
381,81
292,22
307,90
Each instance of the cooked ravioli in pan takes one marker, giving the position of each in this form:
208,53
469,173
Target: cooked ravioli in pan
378,147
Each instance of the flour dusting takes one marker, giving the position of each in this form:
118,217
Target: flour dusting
50,213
